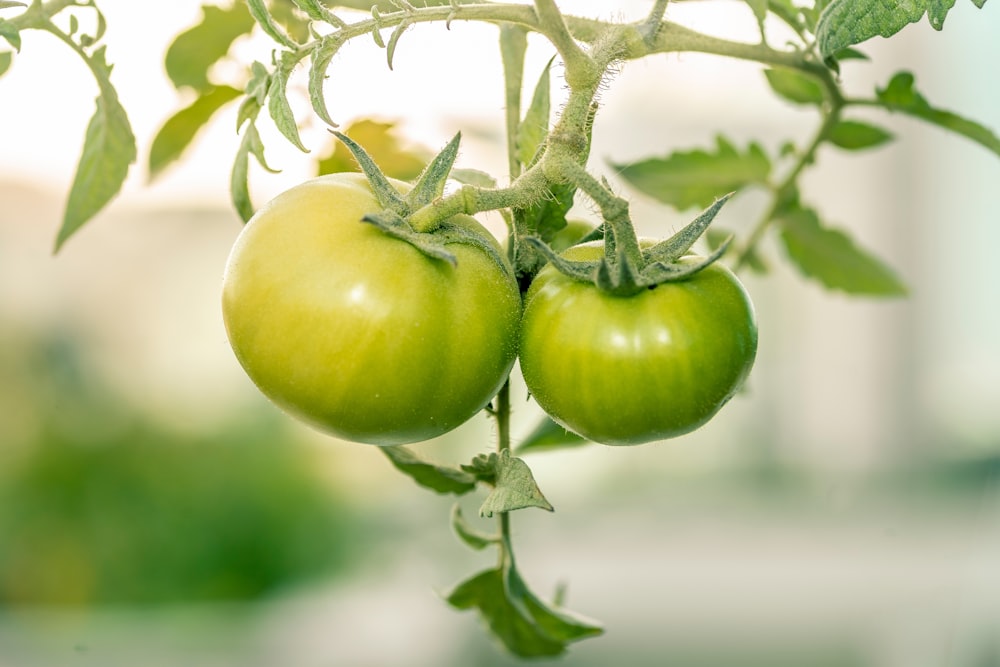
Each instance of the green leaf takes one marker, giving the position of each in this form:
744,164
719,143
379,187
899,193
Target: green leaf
696,178
847,22
7,4
321,57
10,32
527,627
517,630
900,95
442,479
854,135
256,94
277,100
557,623
548,435
260,14
195,50
515,488
6,58
794,86
787,12
472,537
832,258
108,151
180,129
483,467
474,177
534,128
759,9
238,186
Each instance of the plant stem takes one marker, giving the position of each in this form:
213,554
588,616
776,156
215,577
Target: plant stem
782,190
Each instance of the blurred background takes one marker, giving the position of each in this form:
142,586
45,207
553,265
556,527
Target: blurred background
156,510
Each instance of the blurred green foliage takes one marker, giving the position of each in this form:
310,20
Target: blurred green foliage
102,505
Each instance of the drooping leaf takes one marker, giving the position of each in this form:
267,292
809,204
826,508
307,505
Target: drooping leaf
382,141
258,9
195,50
238,184
534,128
472,537
549,435
180,129
697,178
557,623
794,86
256,94
6,58
277,100
527,626
515,488
10,33
845,23
442,479
519,633
901,95
108,151
854,135
321,57
832,258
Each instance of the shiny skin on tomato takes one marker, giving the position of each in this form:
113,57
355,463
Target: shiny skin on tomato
629,370
359,333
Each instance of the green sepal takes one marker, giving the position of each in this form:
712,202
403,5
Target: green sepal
430,185
619,276
515,488
395,226
680,243
470,536
442,479
580,271
385,193
658,273
450,232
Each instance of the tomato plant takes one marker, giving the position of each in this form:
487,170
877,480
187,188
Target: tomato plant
624,370
359,333
382,313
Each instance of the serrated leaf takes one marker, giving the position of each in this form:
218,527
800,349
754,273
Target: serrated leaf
238,186
531,132
845,23
549,435
472,537
180,129
794,86
901,95
557,623
195,50
527,626
108,151
515,488
832,258
321,57
264,19
854,135
442,479
277,100
6,58
519,633
696,178
10,33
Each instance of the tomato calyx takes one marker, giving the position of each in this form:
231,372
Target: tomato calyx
627,268
393,219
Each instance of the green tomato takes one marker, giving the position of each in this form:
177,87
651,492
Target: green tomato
628,370
359,333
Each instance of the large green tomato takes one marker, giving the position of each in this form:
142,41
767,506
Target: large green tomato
628,370
359,333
